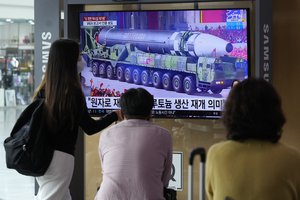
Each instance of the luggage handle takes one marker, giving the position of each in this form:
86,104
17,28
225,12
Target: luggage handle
201,152
197,151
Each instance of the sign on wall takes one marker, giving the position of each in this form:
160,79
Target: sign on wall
176,180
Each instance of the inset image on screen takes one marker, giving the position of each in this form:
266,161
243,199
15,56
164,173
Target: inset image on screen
188,59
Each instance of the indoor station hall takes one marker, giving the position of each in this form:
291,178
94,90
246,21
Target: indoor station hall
16,86
16,53
188,54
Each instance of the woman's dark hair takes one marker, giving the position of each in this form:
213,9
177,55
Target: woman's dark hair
62,84
137,103
253,111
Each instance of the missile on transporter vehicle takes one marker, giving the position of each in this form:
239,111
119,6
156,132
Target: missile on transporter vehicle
183,61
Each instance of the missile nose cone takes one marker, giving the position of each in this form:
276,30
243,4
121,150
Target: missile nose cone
229,47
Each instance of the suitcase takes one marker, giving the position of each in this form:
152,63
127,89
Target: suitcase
201,152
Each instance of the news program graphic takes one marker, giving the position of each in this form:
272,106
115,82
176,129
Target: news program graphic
188,59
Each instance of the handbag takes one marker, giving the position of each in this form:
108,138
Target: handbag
27,149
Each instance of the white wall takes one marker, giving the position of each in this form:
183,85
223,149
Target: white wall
17,9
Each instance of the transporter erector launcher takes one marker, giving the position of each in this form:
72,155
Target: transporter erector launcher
183,61
183,43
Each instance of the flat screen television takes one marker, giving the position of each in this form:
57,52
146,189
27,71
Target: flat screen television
187,59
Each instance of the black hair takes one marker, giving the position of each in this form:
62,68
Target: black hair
137,103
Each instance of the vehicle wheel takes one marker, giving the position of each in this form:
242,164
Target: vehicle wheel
136,76
102,70
109,72
120,73
128,75
156,80
189,85
166,81
145,78
95,69
216,91
177,83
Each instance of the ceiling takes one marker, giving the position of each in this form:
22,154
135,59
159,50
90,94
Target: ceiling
17,9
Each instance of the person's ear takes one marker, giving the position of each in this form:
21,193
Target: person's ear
119,114
122,114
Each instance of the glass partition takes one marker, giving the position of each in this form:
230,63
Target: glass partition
16,61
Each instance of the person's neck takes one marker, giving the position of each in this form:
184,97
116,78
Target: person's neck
146,118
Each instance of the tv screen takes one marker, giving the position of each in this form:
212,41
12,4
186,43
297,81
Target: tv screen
187,59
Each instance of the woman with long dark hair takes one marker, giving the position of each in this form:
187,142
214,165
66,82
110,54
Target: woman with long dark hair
65,113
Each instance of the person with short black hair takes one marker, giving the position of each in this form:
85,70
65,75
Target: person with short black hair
135,154
252,163
137,104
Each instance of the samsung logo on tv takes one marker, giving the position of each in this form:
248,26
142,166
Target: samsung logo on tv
266,51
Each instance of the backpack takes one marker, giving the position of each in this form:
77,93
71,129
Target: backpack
28,150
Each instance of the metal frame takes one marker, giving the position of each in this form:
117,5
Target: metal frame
260,19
